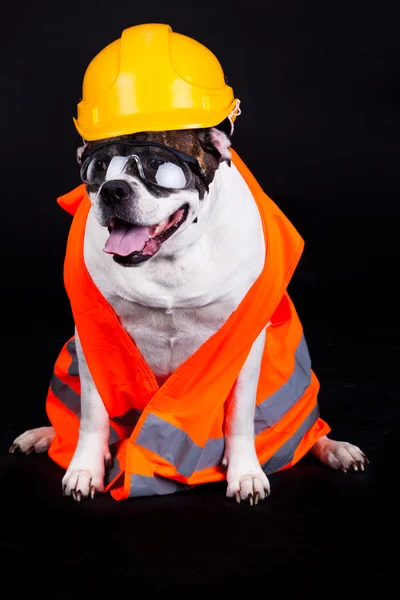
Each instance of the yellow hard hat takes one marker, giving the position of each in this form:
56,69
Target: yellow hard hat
152,79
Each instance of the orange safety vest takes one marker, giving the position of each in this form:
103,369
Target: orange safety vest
166,439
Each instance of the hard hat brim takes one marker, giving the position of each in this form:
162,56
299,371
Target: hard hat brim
137,123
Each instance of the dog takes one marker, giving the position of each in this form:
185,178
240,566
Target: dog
196,248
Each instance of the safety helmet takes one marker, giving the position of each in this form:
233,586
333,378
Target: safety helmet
152,79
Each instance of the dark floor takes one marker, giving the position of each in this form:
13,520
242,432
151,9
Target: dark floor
320,530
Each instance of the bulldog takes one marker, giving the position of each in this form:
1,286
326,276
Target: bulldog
173,241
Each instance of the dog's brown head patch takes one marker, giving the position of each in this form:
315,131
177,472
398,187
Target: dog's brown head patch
190,142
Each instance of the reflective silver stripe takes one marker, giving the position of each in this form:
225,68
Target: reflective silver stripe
271,410
171,443
66,395
73,368
212,454
72,401
113,438
285,454
113,472
142,485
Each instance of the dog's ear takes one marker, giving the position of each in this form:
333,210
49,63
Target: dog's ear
217,142
79,153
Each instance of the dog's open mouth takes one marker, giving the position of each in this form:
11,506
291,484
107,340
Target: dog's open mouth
132,244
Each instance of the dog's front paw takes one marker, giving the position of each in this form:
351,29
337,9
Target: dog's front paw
252,486
246,480
340,455
84,481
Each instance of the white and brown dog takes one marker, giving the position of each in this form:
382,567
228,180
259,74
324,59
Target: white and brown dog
187,244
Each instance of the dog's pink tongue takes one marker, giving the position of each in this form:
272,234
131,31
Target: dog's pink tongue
125,239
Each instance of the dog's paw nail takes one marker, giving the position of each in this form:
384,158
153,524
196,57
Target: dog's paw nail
250,499
29,450
92,491
341,467
237,495
64,489
360,465
366,460
73,494
78,496
256,497
354,466
13,448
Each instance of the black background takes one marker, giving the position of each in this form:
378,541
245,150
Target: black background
320,90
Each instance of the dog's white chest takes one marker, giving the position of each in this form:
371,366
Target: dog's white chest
167,336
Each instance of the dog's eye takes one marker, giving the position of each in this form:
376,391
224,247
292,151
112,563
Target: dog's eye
154,163
99,166
96,169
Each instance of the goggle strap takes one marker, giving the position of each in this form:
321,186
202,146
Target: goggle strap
186,157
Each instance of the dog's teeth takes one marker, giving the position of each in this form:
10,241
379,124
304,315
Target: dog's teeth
160,227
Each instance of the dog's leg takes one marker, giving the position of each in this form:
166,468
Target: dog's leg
85,473
34,440
339,455
245,477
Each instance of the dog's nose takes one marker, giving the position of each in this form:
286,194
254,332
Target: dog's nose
114,191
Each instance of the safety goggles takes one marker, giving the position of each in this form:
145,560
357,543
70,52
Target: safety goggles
155,163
